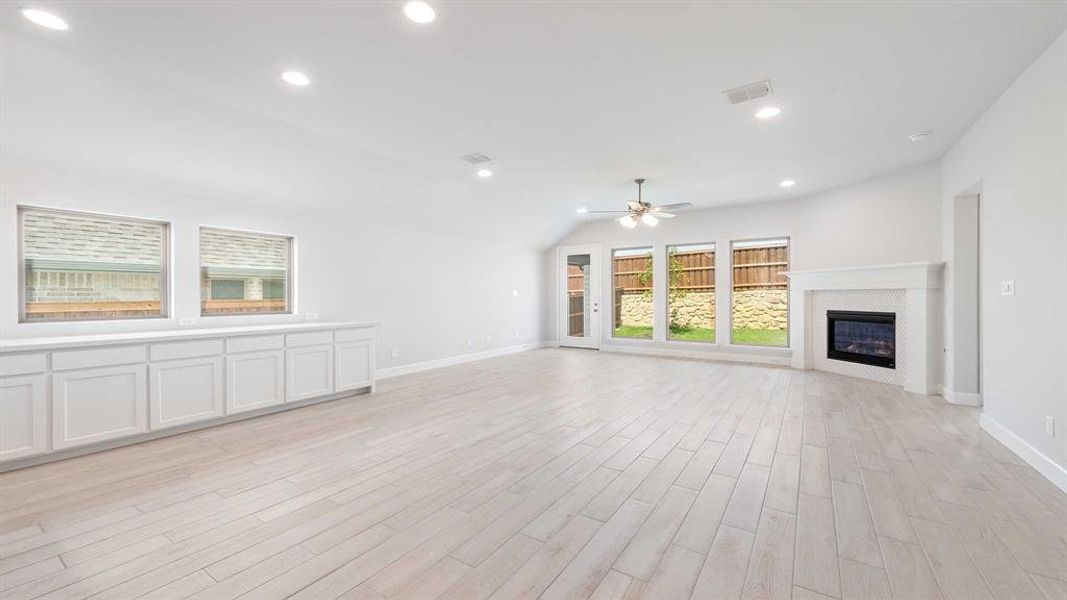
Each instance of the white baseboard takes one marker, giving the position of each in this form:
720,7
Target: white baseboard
454,360
778,361
1034,457
919,387
961,398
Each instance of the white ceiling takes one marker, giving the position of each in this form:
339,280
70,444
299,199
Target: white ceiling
571,100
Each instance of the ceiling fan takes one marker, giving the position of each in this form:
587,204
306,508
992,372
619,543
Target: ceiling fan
639,210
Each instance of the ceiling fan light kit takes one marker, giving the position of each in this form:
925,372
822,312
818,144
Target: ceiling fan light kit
641,211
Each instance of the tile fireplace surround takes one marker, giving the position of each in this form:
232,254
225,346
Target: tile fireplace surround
912,291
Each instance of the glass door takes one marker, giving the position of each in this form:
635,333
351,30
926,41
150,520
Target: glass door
579,302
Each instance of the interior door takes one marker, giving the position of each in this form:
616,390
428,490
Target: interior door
579,296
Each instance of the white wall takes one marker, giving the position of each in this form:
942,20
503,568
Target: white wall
1016,156
430,292
893,218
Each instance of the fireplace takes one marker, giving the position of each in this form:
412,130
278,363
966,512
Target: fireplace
868,338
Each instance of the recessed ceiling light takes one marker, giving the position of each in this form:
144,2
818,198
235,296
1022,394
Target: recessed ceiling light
419,11
787,183
45,19
485,173
295,78
583,210
919,136
768,112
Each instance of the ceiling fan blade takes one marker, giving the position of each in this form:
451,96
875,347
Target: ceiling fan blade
606,212
663,215
675,205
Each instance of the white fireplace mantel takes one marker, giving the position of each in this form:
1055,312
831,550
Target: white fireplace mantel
921,283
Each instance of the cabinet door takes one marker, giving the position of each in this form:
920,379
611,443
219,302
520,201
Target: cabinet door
23,421
308,372
254,380
94,405
352,365
185,391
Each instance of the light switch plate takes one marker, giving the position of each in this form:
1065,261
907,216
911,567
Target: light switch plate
1007,288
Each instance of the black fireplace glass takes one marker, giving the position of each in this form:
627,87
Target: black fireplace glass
862,337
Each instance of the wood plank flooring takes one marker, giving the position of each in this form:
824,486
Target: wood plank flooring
553,474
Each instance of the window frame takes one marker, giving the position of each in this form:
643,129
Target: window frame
611,286
165,298
714,287
788,282
290,274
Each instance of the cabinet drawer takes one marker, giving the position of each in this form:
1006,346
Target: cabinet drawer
311,338
98,357
22,364
255,343
351,335
173,350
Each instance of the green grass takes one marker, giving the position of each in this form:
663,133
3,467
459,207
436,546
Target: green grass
633,331
760,337
692,334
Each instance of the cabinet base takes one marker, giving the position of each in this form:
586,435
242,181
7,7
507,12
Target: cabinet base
30,461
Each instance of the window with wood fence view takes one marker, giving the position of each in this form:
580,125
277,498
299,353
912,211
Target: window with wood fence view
760,294
631,278
243,273
79,266
691,293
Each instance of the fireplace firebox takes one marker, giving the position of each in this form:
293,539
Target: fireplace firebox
868,338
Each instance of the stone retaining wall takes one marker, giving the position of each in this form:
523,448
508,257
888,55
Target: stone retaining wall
753,309
761,309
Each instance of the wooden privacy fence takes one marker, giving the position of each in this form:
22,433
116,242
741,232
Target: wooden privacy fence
78,310
215,307
761,267
576,314
142,308
692,271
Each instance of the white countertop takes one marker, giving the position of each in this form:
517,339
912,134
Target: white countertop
137,337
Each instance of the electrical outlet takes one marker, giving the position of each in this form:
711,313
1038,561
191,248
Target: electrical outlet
1007,288
488,339
186,321
468,342
311,317
1050,426
395,352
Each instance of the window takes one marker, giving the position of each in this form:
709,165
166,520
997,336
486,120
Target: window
691,293
244,273
80,266
632,293
760,299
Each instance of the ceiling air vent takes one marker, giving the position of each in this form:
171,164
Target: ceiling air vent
748,92
476,159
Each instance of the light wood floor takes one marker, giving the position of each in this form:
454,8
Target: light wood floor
553,474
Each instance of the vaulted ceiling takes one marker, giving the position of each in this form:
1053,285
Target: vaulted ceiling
571,100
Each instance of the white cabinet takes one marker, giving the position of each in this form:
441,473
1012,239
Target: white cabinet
94,405
23,418
185,391
254,380
352,365
308,372
68,395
